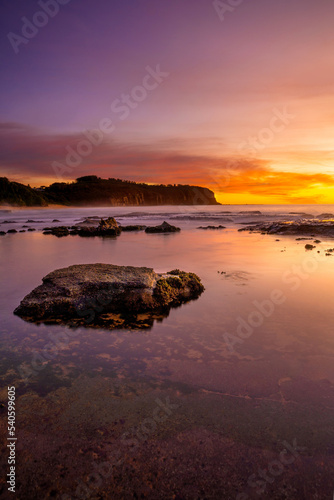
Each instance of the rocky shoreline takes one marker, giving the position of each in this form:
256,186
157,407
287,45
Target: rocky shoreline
106,227
311,228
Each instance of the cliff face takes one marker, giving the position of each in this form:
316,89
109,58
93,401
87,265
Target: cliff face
16,194
92,190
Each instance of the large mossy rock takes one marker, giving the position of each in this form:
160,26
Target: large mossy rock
108,296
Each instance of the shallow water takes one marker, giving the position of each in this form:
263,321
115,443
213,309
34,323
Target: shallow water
248,367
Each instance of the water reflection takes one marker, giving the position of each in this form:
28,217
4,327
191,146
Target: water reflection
235,407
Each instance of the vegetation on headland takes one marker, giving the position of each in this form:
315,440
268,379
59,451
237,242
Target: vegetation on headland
16,194
94,191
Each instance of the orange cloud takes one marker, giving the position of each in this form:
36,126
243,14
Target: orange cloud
268,186
26,155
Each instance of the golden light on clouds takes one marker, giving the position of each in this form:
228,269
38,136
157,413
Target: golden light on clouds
267,186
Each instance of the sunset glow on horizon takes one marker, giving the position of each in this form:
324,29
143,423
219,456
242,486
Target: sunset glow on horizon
238,100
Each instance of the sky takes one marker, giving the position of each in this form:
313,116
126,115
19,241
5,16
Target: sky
234,95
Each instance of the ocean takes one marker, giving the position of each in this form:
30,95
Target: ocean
225,387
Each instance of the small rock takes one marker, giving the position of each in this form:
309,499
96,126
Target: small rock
212,227
133,228
163,228
326,216
59,231
107,227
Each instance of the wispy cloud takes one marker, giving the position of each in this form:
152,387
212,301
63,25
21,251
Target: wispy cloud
26,155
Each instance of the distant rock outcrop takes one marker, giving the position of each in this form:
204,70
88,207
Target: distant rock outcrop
107,296
212,227
106,227
311,227
94,191
162,228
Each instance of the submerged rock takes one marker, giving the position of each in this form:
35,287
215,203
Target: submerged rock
57,231
253,212
212,227
163,228
91,220
302,215
133,228
325,216
108,296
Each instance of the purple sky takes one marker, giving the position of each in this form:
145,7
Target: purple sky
225,80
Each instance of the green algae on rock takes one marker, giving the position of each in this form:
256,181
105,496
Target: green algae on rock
108,296
169,289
